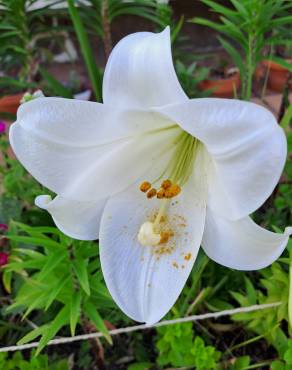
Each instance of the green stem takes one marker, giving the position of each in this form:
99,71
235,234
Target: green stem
290,292
246,342
250,69
259,365
86,50
107,38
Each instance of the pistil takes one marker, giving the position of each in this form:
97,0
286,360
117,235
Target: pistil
154,233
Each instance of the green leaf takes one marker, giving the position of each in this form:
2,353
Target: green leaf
219,8
241,363
60,320
40,242
86,49
55,290
287,119
6,279
92,313
140,366
278,365
207,23
38,229
237,58
80,268
251,292
74,310
55,85
52,262
282,62
36,303
32,334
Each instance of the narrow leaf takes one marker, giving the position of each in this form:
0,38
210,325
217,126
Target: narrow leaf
86,50
74,310
93,315
80,268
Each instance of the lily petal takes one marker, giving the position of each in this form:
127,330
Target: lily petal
140,72
146,281
80,165
241,244
247,148
79,220
83,123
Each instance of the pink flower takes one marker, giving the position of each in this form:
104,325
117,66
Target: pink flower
2,127
3,259
3,227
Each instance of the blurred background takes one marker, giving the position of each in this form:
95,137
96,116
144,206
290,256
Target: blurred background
53,285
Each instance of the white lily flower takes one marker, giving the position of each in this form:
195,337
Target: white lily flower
223,158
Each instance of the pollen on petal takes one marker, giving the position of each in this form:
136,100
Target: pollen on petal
145,186
188,256
166,184
165,236
151,193
172,191
160,194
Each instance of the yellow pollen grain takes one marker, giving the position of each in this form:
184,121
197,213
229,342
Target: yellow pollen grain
160,194
145,186
188,256
174,264
151,193
162,219
172,191
164,236
163,250
166,184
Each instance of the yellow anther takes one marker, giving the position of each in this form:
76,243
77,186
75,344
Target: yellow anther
165,236
145,186
172,191
151,193
160,194
166,184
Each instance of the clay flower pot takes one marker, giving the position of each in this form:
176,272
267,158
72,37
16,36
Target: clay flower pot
10,103
223,87
278,75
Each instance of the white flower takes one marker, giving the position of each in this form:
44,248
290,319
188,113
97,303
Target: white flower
224,158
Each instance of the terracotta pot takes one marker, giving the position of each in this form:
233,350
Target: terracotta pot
278,75
222,88
10,103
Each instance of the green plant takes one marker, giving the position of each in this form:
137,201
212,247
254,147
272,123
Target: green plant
57,274
20,191
24,32
285,361
17,362
177,347
275,282
190,76
249,24
98,15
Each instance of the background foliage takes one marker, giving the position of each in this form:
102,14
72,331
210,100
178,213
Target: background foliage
53,285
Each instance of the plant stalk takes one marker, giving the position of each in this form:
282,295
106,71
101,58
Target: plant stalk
107,37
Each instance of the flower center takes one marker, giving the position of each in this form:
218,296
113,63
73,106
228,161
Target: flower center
154,233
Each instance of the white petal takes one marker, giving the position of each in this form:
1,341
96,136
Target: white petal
146,281
83,123
140,72
79,165
247,149
79,220
241,244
